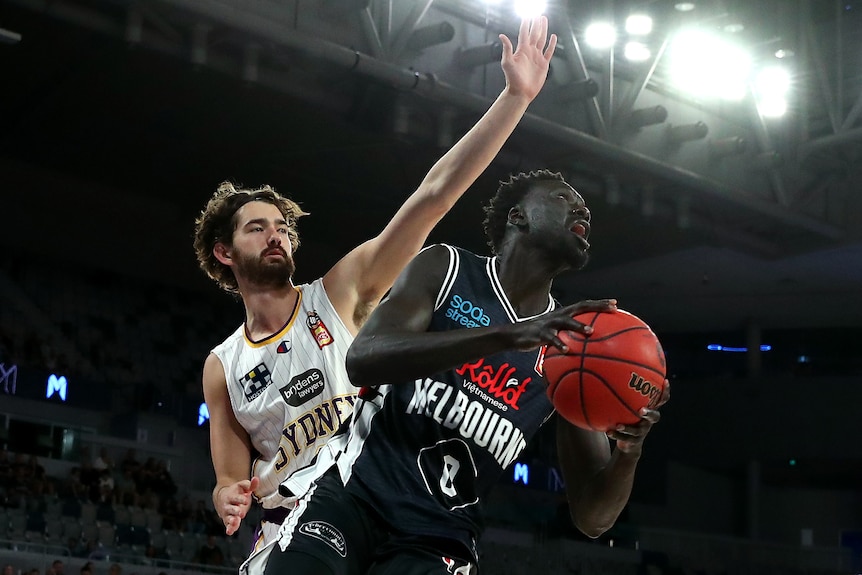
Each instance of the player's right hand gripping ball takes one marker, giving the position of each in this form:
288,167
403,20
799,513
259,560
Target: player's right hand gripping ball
608,376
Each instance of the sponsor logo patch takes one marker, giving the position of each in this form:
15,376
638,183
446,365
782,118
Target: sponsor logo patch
463,312
318,329
326,533
255,381
303,387
283,347
496,381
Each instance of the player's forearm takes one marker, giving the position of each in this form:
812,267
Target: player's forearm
601,500
456,171
406,356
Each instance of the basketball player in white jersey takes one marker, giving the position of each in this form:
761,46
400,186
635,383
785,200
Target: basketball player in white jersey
277,389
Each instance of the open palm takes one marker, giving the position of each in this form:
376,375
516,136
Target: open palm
526,67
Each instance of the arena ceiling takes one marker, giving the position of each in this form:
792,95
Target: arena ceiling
120,118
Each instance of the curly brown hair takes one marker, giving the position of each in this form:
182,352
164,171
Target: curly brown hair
509,193
217,222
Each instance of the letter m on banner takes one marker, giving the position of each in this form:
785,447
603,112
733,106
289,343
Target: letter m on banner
56,385
522,473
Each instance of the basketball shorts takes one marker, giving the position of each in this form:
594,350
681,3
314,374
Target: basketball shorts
330,532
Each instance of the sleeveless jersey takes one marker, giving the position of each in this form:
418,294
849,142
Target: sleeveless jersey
425,453
290,391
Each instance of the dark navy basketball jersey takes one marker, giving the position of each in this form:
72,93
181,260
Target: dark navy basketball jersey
425,453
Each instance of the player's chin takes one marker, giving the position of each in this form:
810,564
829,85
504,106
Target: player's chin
579,259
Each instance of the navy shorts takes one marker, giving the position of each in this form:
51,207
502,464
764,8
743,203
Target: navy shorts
330,532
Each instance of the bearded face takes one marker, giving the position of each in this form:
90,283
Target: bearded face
271,268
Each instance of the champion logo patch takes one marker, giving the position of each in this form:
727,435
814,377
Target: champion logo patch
326,533
283,347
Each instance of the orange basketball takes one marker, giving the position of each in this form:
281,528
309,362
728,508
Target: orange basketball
608,376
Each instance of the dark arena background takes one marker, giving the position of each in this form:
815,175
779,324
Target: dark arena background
719,151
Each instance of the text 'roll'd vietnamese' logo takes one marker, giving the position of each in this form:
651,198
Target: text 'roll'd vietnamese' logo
303,387
463,312
498,382
254,382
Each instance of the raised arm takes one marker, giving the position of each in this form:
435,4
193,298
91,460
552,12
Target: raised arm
397,327
231,450
358,281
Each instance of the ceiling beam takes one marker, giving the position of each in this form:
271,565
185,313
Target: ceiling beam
235,15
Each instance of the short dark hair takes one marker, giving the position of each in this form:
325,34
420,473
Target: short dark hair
509,193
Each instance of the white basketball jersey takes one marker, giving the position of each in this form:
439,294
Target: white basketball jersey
290,391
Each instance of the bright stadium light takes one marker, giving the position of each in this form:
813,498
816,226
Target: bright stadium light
637,52
774,80
600,35
707,66
638,24
772,107
530,8
771,87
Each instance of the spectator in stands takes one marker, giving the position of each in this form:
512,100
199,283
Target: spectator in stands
157,557
103,461
170,511
97,550
106,486
210,553
90,480
115,569
78,546
19,486
58,567
130,462
72,487
8,569
22,469
185,512
162,483
87,568
86,455
125,490
199,520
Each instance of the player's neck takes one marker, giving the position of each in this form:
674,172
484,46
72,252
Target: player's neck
525,282
268,310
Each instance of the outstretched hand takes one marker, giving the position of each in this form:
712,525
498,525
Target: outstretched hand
233,502
526,67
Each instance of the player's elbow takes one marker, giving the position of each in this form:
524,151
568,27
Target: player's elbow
356,363
435,195
591,525
592,530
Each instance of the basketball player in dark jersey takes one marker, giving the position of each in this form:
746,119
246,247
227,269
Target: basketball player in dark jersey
449,366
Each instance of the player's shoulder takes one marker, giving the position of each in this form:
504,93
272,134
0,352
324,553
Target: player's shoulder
431,261
441,253
231,341
213,372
